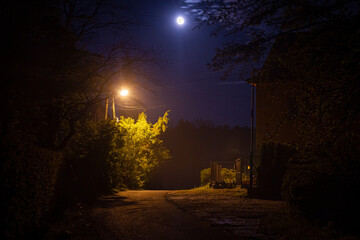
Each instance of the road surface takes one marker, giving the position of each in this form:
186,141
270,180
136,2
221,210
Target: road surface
144,215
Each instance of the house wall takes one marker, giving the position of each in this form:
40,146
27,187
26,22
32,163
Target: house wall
272,104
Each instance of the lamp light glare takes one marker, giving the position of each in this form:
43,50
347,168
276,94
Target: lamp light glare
124,92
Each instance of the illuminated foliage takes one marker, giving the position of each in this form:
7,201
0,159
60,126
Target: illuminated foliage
205,175
110,155
228,175
142,149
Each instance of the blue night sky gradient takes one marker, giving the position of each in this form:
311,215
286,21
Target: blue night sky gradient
188,88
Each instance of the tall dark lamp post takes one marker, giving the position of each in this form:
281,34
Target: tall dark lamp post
251,162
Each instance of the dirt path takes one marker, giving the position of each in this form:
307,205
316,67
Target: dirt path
144,215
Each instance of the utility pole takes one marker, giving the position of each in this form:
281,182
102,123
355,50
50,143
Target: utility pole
113,107
106,108
252,131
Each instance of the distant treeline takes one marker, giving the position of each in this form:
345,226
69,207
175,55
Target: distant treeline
192,146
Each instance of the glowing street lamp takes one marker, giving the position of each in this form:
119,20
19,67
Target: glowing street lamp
124,92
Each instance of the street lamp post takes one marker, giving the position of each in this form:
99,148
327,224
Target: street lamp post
124,93
113,107
251,162
106,108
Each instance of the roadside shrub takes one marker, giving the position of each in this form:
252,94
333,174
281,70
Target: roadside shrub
108,155
87,171
273,166
322,187
28,179
205,176
143,149
228,175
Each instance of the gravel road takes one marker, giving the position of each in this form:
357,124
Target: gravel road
147,215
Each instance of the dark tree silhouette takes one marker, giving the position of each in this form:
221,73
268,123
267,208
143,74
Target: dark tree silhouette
51,80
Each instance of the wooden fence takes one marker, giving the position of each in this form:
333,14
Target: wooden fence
215,173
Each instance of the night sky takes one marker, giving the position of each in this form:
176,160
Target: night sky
187,87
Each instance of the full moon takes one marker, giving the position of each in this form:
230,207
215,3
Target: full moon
180,20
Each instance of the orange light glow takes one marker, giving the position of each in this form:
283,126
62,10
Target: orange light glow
124,92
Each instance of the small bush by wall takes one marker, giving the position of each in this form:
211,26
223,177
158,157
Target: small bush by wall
321,187
274,159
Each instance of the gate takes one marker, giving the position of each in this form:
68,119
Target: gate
215,172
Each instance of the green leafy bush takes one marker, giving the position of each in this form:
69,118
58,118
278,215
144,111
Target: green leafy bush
143,149
205,176
228,175
110,155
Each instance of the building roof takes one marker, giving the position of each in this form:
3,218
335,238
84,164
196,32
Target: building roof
274,68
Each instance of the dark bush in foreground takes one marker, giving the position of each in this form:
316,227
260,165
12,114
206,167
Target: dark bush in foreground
273,166
85,173
28,180
324,191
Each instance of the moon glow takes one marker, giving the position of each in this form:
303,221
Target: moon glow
180,20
